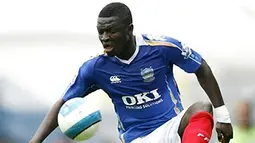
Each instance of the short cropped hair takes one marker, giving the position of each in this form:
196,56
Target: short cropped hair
119,10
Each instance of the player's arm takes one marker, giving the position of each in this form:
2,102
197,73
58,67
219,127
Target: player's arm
48,124
191,62
82,85
208,82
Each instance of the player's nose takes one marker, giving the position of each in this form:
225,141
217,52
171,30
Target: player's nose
105,37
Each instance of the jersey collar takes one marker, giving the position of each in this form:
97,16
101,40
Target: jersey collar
134,55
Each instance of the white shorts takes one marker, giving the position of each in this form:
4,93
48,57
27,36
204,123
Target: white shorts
167,133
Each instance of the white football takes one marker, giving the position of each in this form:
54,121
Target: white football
79,119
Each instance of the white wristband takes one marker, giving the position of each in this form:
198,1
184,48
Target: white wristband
222,114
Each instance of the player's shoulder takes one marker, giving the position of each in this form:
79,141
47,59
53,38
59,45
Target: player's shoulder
160,40
92,60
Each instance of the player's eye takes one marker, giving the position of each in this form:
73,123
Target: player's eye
100,32
113,30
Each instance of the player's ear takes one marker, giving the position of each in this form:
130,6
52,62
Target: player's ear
130,28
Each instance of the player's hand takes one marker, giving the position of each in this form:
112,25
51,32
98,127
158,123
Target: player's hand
224,132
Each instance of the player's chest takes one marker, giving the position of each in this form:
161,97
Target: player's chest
138,76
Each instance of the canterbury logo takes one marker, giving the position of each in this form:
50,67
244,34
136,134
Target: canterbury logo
115,79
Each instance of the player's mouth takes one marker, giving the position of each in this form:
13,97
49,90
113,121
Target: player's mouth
108,48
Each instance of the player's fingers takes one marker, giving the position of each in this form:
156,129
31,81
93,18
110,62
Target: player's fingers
227,136
220,137
219,132
230,135
224,132
226,139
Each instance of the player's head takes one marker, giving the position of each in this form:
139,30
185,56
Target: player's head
115,27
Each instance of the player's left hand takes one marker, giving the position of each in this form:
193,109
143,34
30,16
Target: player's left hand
224,132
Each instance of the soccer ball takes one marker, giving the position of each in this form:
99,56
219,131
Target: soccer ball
79,119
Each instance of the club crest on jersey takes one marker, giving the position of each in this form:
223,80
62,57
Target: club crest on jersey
147,74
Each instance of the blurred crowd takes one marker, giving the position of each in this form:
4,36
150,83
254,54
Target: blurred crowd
244,129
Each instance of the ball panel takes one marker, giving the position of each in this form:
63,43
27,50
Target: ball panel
63,124
76,109
70,106
88,133
83,124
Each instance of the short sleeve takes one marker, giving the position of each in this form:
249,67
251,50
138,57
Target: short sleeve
83,83
179,54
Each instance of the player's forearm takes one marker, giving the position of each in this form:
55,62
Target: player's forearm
209,84
49,123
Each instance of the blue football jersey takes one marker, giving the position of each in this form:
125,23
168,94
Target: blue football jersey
142,89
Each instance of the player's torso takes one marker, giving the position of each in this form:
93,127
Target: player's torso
143,92
141,87
134,84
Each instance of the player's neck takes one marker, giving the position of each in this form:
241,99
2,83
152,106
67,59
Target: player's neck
129,50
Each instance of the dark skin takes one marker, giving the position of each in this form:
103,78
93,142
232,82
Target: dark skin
112,30
119,37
